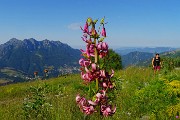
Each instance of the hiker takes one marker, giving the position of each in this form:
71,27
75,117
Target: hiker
156,63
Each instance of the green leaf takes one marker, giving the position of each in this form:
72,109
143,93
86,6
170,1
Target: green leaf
94,98
89,91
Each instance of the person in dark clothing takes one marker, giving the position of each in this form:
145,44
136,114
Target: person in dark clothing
156,63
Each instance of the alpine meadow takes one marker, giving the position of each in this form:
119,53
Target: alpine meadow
102,91
139,95
89,59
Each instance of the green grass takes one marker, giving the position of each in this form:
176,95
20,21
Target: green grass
139,95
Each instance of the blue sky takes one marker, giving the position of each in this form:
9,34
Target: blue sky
130,22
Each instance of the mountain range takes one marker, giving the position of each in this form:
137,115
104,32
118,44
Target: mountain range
140,55
126,50
137,58
20,59
134,58
30,55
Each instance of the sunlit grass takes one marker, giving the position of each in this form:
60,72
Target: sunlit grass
133,86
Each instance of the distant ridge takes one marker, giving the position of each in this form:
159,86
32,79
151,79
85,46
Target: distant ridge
31,55
134,58
137,58
126,50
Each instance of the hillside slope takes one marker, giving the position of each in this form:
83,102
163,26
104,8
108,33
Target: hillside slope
140,95
173,56
134,58
126,50
31,55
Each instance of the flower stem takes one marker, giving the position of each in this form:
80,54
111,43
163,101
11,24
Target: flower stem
96,54
96,61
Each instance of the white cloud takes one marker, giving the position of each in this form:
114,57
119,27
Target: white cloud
74,26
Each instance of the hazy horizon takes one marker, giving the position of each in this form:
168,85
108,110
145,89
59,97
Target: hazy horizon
83,46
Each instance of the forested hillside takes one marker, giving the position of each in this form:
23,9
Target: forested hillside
31,55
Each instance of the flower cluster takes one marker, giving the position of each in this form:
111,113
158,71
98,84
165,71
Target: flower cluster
91,72
88,106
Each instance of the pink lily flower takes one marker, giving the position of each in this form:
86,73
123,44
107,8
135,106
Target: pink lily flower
99,46
90,70
110,85
93,65
89,50
81,61
87,77
102,54
103,32
88,110
86,40
112,73
86,28
87,71
92,103
80,100
107,110
100,96
102,73
104,84
104,46
83,52
85,35
84,63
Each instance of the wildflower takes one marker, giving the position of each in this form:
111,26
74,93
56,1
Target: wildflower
88,109
112,73
103,32
86,28
100,96
89,41
91,71
102,46
84,105
90,49
86,77
92,103
102,74
103,54
80,100
107,110
93,67
84,62
105,85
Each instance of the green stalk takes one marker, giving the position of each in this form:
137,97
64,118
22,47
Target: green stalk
96,61
96,55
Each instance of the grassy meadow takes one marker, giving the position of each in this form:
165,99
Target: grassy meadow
140,95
